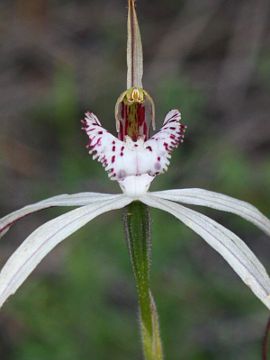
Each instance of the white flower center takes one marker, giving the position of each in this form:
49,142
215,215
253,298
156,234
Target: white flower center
135,186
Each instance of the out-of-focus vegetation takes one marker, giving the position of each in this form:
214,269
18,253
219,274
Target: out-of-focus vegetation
60,58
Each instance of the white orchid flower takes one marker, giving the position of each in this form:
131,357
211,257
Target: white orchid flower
134,159
134,165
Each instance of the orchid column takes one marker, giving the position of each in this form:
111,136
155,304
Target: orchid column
134,114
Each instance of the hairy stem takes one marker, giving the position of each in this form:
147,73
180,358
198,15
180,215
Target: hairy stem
265,341
138,235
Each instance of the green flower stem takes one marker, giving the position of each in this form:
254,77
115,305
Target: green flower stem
137,223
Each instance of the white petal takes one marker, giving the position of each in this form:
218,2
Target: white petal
45,238
79,199
218,201
161,144
103,146
134,158
225,242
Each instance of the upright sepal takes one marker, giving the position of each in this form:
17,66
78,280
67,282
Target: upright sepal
134,49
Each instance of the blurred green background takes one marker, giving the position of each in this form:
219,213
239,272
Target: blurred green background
211,59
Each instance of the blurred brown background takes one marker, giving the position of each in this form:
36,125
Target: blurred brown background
210,58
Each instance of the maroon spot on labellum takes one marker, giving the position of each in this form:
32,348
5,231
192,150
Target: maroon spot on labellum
172,136
136,145
149,148
113,158
100,132
113,142
113,148
121,154
122,148
158,159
